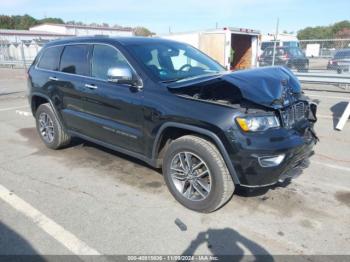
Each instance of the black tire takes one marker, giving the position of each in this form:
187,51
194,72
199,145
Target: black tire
60,136
222,186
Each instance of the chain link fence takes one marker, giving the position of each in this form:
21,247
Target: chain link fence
19,54
328,55
313,61
316,55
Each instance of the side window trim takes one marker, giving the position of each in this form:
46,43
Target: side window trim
41,54
121,53
59,63
90,56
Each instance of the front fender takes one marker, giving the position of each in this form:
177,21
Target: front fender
201,131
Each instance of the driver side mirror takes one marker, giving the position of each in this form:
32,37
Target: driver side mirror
120,75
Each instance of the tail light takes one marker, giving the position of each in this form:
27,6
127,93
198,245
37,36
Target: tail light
331,62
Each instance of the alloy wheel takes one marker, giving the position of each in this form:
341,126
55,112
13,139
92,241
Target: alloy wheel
46,127
191,176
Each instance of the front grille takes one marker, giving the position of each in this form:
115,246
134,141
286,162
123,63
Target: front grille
293,114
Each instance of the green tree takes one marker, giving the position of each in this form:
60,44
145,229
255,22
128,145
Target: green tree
72,22
51,20
323,32
142,31
6,22
25,22
340,26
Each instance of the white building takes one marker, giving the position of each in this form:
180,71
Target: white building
18,44
280,37
16,36
82,30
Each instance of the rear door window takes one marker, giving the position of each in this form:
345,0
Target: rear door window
50,58
75,60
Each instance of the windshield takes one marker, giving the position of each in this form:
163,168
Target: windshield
296,52
291,44
171,61
279,52
265,45
342,54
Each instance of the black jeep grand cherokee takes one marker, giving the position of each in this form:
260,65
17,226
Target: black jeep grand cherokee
173,107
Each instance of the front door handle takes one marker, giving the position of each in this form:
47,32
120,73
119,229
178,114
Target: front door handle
53,78
90,86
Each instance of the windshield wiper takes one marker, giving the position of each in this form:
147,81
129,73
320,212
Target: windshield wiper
190,77
172,80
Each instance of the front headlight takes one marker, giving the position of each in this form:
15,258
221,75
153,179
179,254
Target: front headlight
257,123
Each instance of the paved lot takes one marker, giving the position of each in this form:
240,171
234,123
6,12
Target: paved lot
89,200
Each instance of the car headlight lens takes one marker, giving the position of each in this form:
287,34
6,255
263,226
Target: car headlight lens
257,123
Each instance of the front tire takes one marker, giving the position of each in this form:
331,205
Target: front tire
51,132
196,174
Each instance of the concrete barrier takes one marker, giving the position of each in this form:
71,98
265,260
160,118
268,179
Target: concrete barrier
344,118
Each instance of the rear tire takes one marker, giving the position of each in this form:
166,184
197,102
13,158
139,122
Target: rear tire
204,193
50,130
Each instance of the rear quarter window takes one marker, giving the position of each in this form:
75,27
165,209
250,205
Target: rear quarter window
75,60
50,58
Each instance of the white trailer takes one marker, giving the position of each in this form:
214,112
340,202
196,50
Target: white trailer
234,48
282,39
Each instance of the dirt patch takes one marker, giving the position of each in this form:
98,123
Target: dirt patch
154,184
343,197
282,201
285,201
306,223
29,133
82,154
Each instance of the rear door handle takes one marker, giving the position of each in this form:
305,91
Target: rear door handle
53,78
90,86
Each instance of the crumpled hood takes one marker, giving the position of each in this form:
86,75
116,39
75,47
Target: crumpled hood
268,86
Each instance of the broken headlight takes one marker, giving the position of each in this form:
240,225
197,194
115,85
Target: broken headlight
257,123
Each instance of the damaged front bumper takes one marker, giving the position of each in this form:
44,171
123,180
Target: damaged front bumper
287,153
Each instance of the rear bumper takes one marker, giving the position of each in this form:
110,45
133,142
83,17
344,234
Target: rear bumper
338,67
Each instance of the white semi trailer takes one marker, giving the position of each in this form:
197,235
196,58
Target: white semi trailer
234,48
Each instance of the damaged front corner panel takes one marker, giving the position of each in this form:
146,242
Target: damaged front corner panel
272,87
216,90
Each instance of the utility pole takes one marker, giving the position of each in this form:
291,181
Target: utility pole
275,42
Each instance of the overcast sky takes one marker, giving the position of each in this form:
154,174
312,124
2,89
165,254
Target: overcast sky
187,15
